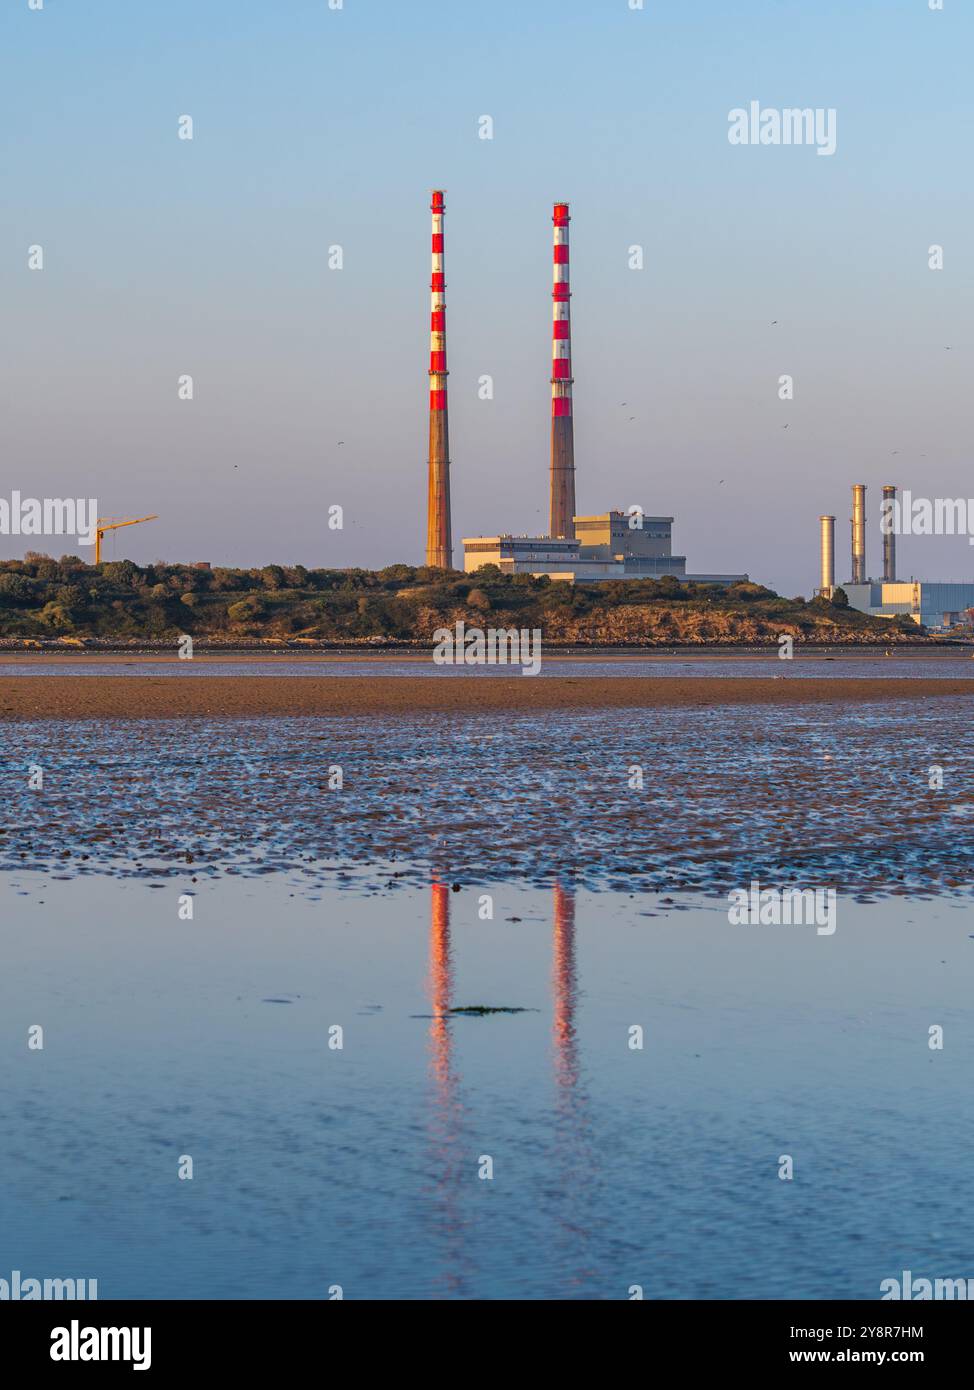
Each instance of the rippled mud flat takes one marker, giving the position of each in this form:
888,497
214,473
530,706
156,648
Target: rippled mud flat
837,795
612,1165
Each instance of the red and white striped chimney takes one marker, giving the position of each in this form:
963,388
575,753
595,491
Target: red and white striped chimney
562,429
439,544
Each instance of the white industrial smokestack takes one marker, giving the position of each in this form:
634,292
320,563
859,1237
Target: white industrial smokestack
859,533
827,524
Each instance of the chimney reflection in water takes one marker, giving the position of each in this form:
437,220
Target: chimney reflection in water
440,990
450,1153
564,987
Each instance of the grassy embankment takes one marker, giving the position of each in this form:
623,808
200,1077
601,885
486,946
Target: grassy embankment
66,600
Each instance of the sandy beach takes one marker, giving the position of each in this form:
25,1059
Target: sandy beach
160,697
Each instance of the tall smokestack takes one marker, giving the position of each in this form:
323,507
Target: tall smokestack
827,524
859,533
889,540
562,430
439,544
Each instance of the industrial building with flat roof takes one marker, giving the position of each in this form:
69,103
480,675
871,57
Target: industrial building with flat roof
932,603
612,545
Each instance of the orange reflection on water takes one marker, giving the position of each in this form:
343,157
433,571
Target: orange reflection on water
564,987
445,1115
440,989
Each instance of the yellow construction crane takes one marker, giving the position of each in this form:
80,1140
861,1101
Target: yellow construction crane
111,523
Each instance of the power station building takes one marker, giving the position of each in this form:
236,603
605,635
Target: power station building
937,604
612,545
934,603
582,549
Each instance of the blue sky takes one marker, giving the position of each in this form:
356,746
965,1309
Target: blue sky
315,127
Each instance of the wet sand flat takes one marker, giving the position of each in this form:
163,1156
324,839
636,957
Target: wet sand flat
160,697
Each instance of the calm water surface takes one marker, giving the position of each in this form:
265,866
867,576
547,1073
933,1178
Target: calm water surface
313,908
842,665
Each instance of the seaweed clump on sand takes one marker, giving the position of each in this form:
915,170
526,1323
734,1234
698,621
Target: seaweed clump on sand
480,1010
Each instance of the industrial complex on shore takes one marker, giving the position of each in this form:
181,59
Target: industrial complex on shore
586,549
936,604
630,544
